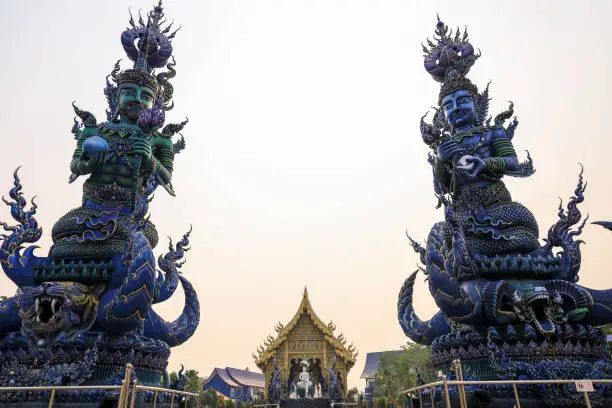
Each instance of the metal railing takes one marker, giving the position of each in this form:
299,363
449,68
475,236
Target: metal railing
417,392
127,391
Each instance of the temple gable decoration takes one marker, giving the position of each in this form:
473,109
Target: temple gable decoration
305,341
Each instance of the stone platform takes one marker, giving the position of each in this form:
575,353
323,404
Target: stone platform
305,403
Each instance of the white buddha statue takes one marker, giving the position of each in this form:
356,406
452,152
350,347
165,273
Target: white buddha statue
304,381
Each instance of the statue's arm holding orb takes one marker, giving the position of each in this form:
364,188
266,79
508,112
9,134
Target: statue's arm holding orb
503,158
89,153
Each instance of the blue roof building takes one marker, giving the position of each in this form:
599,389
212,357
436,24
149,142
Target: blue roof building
239,385
370,370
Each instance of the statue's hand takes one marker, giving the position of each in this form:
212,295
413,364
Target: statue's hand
142,147
470,166
88,162
447,150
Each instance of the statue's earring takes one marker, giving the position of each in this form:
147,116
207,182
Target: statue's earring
115,117
477,108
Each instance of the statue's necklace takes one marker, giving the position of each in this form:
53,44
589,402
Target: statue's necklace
477,130
122,131
471,148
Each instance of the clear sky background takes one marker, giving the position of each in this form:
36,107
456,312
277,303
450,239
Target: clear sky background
304,162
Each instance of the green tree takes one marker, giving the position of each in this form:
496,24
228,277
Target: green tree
397,372
208,398
380,402
173,377
192,381
229,403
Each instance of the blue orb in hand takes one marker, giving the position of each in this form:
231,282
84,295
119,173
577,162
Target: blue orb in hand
95,144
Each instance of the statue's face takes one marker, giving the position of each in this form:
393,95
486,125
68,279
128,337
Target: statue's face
134,99
459,110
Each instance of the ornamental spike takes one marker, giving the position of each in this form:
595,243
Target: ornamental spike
140,20
168,27
171,36
132,24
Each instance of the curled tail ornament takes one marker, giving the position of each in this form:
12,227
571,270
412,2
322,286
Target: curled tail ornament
606,224
168,89
17,265
181,380
561,235
170,263
600,312
179,331
89,120
422,332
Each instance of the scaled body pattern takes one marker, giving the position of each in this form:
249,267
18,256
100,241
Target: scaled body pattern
509,307
84,311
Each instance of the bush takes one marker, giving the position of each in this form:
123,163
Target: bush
380,402
208,398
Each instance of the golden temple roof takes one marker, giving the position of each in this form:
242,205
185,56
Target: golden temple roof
348,354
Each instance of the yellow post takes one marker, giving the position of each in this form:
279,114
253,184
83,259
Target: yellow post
125,387
155,399
431,394
587,400
121,396
133,394
172,401
420,399
460,387
51,398
448,404
518,403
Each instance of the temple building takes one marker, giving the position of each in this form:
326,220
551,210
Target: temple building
239,385
306,341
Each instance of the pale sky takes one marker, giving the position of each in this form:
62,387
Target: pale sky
304,163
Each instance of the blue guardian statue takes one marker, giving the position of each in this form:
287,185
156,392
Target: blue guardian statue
505,300
85,311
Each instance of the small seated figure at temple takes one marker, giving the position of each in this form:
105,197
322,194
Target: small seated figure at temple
304,384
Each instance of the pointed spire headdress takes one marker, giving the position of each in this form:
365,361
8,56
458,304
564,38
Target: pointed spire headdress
449,58
149,46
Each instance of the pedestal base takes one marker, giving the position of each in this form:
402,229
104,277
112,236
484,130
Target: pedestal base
305,403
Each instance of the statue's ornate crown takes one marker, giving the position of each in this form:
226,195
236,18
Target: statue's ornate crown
149,46
449,59
139,77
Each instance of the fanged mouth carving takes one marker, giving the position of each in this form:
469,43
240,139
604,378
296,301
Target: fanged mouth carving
47,309
59,307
